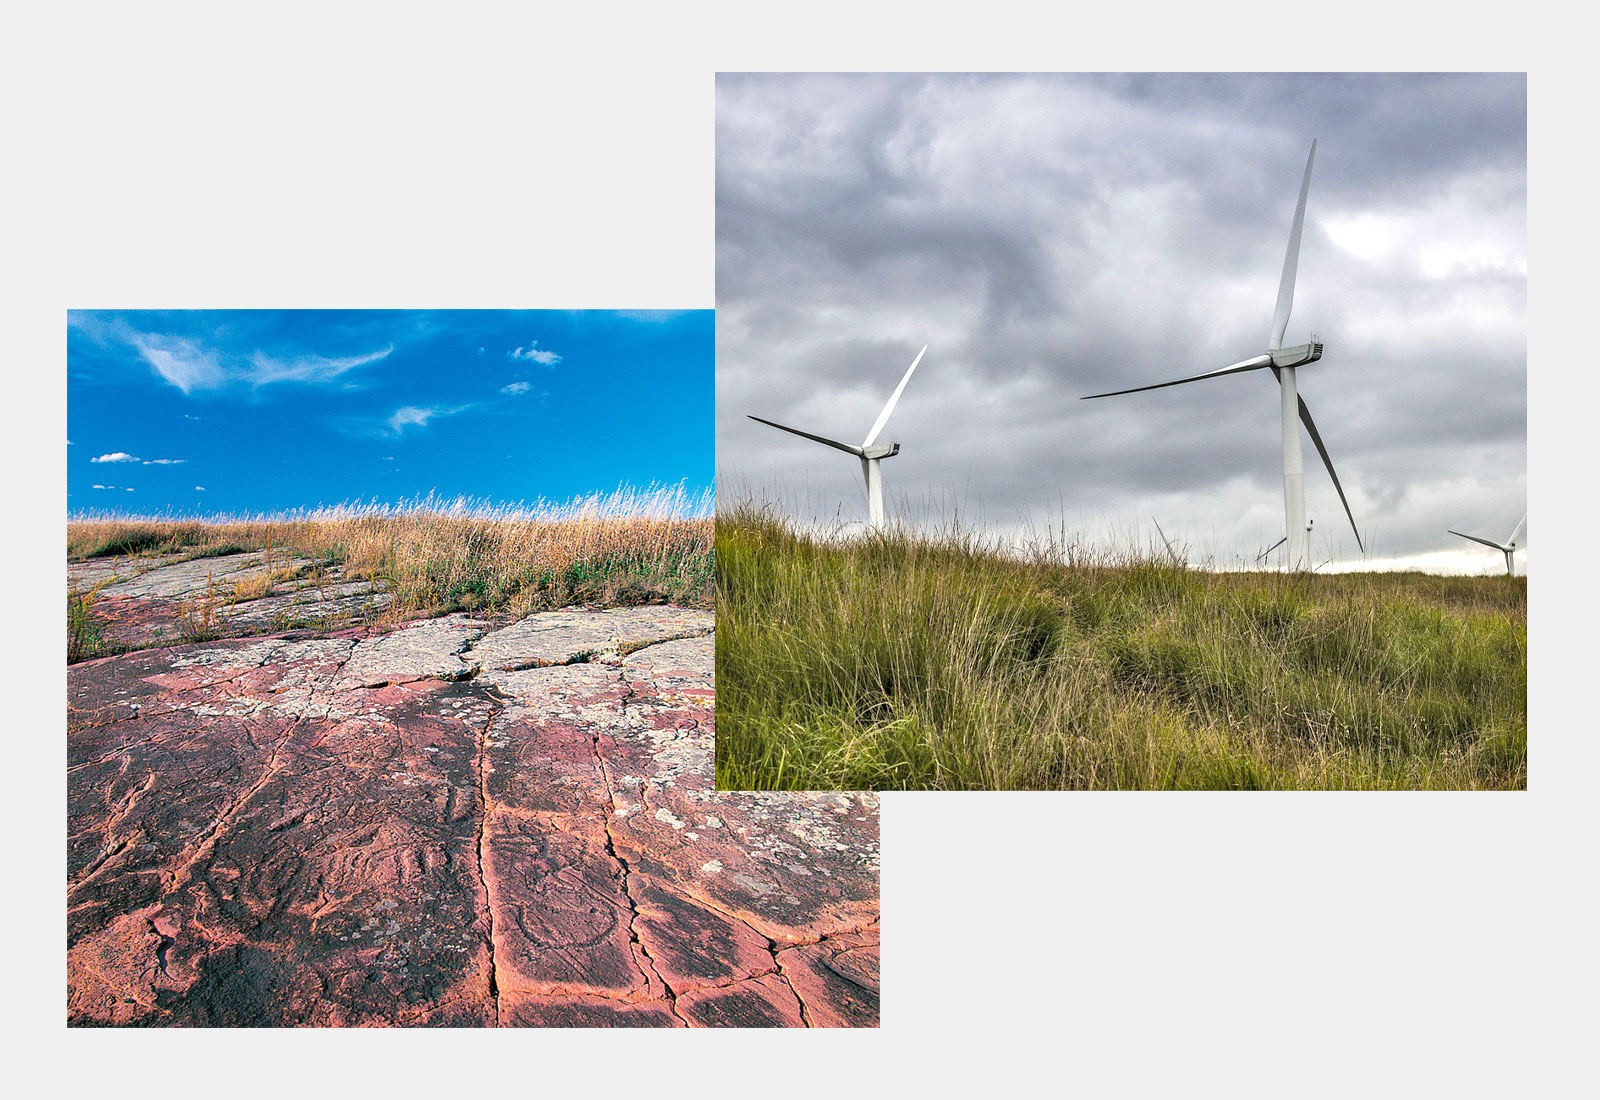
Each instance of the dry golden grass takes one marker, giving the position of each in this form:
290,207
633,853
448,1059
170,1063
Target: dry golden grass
257,585
627,547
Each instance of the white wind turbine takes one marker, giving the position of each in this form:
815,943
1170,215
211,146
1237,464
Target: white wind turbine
1508,549
1172,553
871,453
1282,362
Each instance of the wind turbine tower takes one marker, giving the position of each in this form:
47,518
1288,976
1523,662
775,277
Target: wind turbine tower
1283,362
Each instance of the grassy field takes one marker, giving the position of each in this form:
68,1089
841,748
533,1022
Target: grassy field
899,662
628,547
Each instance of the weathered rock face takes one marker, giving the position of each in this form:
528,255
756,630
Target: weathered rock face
149,602
443,825
562,637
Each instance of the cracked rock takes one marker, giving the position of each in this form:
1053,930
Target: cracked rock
431,649
365,829
562,637
161,602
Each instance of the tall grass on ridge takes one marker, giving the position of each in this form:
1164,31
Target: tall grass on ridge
632,546
914,661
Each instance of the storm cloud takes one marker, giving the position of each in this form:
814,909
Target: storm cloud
1052,236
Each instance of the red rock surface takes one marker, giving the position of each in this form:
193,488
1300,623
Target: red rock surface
154,601
262,834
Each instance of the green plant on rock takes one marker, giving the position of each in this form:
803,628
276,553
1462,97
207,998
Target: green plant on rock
83,632
197,615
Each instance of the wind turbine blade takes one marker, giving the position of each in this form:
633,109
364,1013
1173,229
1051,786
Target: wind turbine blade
820,439
1515,530
1486,542
1311,427
883,417
1173,554
1291,260
1271,548
1255,363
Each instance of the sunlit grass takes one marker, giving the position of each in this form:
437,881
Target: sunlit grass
923,661
632,546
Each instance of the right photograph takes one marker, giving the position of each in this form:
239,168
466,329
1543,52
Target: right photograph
1206,400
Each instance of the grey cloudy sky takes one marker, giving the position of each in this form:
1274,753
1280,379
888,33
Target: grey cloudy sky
1051,236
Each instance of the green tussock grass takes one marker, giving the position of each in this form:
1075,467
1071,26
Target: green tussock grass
905,662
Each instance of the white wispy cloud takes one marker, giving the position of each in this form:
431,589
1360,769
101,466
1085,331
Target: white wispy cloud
413,416
516,387
183,362
267,369
652,315
124,456
195,364
410,415
199,488
532,353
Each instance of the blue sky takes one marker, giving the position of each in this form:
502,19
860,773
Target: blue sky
228,411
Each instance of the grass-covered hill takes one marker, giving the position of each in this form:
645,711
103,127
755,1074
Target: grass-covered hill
897,661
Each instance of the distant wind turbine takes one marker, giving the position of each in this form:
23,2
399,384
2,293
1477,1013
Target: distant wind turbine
1171,552
1508,549
1282,361
871,453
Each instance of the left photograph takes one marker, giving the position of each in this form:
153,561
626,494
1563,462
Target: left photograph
390,692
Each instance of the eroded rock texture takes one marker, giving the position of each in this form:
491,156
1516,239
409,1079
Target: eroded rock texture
449,824
140,602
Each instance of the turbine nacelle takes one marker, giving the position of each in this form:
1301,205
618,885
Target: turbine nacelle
1296,356
881,450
